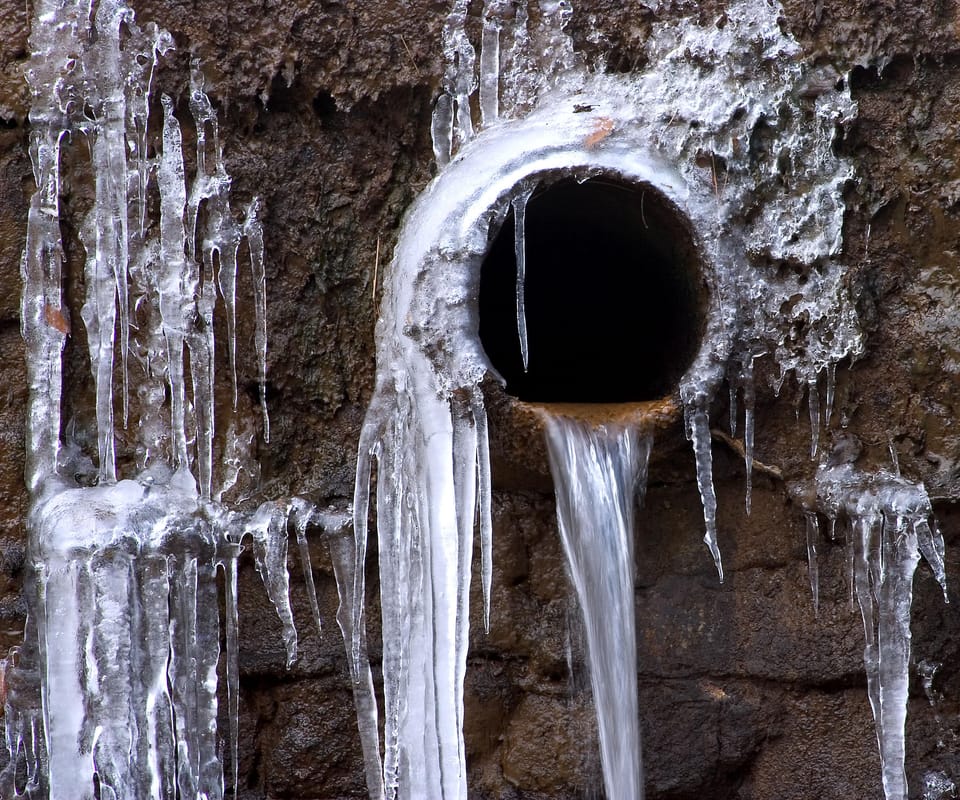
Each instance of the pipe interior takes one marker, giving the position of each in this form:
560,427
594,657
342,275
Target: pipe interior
614,295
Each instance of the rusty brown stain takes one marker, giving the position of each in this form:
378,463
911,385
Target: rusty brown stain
55,318
602,128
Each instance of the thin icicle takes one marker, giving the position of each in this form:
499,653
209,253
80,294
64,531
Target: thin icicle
268,528
343,554
441,129
519,220
749,405
813,401
228,242
490,63
253,231
228,560
813,565
732,386
99,319
484,493
459,79
465,480
698,431
894,457
302,515
831,392
174,273
930,543
201,346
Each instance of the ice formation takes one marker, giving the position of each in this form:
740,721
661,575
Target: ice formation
114,693
747,159
599,472
888,530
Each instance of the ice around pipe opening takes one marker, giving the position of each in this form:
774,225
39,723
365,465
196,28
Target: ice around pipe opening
752,136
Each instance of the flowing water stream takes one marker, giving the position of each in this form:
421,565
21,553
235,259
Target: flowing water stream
600,475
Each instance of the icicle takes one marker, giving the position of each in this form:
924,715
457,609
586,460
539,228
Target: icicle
253,231
108,219
851,556
174,273
519,218
490,64
465,484
813,566
44,323
486,516
99,319
749,404
361,514
268,527
60,619
205,678
343,554
732,386
225,242
930,543
302,513
441,129
519,75
228,560
813,401
155,714
183,678
698,431
459,80
201,345
894,458
831,391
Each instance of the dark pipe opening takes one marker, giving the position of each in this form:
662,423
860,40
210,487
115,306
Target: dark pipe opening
614,296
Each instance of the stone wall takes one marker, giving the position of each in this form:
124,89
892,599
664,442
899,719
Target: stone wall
325,112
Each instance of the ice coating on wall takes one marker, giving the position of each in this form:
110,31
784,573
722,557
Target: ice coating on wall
747,160
114,693
888,528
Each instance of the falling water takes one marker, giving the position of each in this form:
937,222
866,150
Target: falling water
599,473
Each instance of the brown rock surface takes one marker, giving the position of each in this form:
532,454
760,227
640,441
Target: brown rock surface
325,112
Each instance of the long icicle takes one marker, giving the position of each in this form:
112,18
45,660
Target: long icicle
520,253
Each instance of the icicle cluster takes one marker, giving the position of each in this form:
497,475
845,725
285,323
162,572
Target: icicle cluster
120,664
888,529
726,123
518,61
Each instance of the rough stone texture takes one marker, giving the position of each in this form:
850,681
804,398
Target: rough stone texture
744,694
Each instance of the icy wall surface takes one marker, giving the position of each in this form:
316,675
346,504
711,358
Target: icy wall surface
123,642
735,132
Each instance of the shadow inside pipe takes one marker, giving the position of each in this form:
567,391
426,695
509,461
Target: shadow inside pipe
615,300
